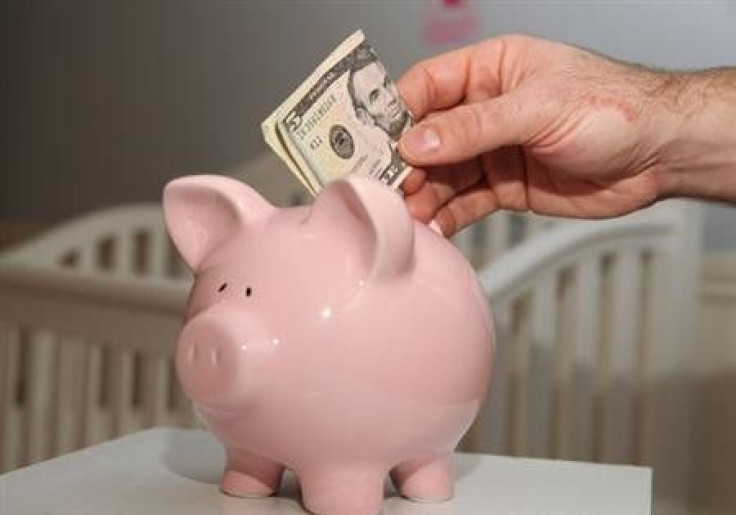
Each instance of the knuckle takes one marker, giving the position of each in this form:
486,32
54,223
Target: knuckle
469,128
476,124
418,89
515,39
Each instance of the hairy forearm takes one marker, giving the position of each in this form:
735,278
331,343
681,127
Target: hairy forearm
699,134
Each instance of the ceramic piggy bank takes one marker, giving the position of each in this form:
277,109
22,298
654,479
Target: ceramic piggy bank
341,340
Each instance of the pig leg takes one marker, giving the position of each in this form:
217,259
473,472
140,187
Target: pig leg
425,479
250,475
343,490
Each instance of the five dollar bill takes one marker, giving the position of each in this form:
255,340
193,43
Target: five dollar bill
347,117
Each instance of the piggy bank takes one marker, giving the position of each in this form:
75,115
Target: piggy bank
342,340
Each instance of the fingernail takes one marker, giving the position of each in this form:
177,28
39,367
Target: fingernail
435,226
420,141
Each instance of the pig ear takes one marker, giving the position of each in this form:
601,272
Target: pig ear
373,219
202,211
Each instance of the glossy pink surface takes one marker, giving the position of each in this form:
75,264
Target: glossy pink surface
343,340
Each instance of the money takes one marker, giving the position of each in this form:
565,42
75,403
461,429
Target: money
347,117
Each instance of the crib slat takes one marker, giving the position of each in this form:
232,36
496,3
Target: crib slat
181,409
6,401
86,258
657,362
92,413
124,254
9,361
664,437
463,240
70,394
562,366
180,269
585,339
38,381
543,330
157,253
498,239
192,418
619,402
518,379
479,244
488,433
155,390
533,225
485,251
104,426
120,386
648,331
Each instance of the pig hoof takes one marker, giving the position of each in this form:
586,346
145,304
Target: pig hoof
342,492
425,480
238,484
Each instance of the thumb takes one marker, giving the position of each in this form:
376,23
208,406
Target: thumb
467,131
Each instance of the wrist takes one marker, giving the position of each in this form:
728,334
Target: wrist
698,132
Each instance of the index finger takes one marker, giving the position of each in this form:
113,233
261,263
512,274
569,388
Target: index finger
445,80
435,83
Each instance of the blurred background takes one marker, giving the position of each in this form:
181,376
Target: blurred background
102,102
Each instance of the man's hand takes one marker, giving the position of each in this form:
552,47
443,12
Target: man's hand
527,124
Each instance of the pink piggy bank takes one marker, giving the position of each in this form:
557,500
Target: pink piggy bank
343,340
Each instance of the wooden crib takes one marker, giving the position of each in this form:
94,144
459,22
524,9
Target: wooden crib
594,323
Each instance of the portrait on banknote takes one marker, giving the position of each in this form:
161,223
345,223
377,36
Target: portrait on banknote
376,102
346,118
374,95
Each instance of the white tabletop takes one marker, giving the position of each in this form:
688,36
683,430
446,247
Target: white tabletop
172,471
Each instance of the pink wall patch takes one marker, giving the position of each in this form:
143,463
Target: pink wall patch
451,21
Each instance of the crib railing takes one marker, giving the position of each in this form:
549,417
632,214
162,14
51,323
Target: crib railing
75,369
84,359
489,239
124,242
131,241
87,315
592,317
595,322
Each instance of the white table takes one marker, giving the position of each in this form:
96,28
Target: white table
172,471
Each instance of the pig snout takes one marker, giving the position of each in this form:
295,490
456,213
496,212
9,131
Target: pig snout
215,355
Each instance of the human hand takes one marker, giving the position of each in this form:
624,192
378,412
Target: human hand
526,124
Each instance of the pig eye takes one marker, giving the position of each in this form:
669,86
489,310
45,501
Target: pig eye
248,291
222,287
